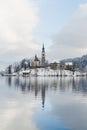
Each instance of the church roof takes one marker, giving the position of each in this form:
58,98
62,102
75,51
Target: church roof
36,58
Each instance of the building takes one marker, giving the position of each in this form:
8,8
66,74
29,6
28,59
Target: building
43,62
36,62
55,65
68,63
68,66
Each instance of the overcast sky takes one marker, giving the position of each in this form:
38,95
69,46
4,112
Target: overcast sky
26,24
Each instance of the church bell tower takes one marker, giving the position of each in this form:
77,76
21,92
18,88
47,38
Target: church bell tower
43,56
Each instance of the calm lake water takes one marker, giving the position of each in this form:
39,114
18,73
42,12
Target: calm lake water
43,103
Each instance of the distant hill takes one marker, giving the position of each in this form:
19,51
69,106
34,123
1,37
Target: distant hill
80,62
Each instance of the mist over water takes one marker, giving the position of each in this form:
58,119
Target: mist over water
43,103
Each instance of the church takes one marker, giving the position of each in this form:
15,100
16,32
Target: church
40,63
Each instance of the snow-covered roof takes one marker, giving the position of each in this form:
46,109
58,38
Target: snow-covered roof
54,61
68,63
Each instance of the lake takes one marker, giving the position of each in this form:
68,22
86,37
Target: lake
43,103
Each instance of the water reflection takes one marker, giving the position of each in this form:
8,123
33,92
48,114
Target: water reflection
62,99
39,85
9,81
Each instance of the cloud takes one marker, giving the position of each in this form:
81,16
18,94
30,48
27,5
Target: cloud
18,19
72,40
17,114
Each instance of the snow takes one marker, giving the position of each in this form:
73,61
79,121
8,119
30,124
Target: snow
50,72
68,63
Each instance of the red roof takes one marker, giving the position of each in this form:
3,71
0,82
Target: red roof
36,58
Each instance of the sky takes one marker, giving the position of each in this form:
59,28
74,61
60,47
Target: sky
26,24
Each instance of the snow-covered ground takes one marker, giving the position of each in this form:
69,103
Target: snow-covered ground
49,72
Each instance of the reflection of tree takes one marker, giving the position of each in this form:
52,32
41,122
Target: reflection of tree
29,85
17,82
23,86
9,81
36,87
80,85
41,86
73,83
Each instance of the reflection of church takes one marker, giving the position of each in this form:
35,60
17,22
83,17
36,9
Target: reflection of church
37,62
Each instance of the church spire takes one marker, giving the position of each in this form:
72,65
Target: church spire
43,49
43,56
